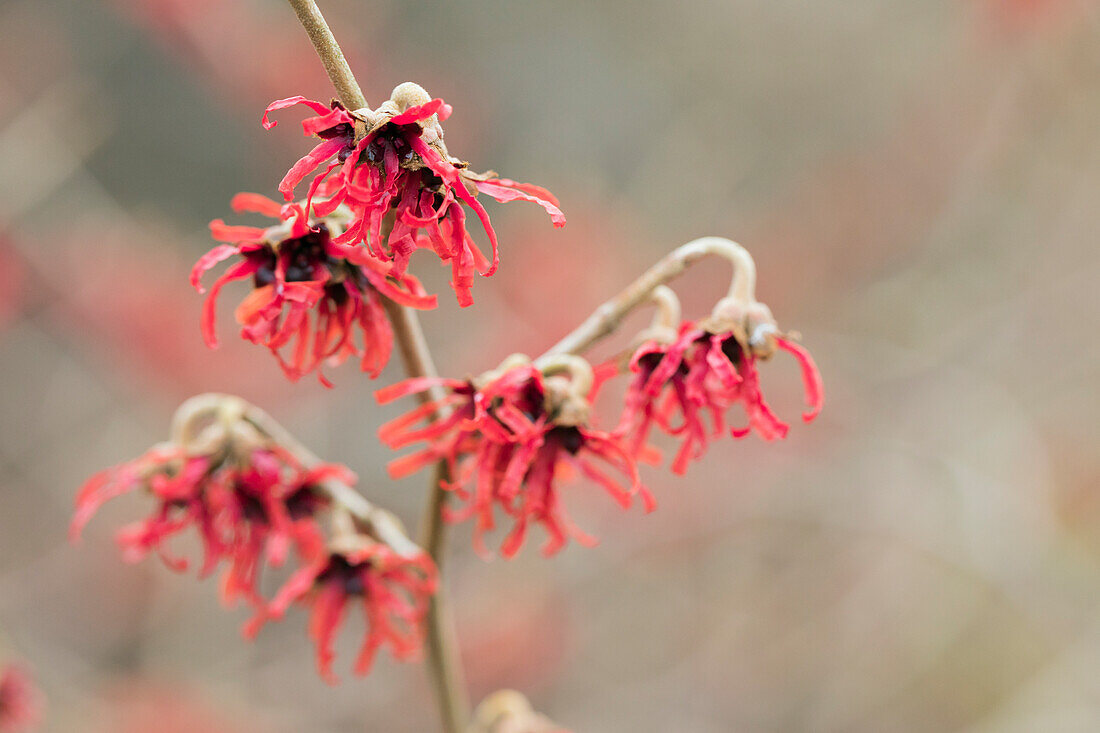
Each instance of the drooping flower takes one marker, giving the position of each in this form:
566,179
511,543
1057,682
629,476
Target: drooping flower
405,190
249,500
392,588
176,482
21,703
707,369
510,439
268,508
309,293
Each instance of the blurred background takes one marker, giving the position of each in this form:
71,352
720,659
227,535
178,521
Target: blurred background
920,184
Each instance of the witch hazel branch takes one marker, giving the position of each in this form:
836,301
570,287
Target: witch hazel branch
328,281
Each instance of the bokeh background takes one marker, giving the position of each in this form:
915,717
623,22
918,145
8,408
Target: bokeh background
920,183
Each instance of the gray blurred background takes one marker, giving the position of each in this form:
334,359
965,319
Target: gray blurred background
920,184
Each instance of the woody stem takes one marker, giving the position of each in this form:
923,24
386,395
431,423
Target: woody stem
329,51
607,318
443,661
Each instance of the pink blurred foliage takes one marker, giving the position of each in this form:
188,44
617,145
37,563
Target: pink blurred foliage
131,302
21,703
139,705
13,276
1021,18
570,267
525,648
248,55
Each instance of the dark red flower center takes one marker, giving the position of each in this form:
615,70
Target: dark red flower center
303,503
568,437
391,137
251,507
302,259
300,504
345,131
732,349
349,577
529,399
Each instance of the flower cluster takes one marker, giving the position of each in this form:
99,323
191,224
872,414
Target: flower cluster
252,502
707,368
326,279
309,293
391,169
20,701
392,589
509,438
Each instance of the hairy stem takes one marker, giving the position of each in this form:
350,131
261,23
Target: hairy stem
606,319
444,664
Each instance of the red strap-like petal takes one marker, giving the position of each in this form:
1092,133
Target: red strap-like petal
423,112
290,102
504,190
811,377
208,260
412,386
326,121
237,272
223,232
258,203
307,164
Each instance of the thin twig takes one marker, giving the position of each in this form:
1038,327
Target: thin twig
605,319
443,661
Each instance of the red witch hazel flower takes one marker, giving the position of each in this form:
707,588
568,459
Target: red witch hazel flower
510,437
249,499
309,292
404,189
20,701
708,367
392,581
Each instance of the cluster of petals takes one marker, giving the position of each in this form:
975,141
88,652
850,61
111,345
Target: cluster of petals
254,504
309,293
706,370
509,443
405,191
392,589
247,512
20,701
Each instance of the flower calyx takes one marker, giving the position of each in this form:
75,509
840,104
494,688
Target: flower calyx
750,322
409,104
566,383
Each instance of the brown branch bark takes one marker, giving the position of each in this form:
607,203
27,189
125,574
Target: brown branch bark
443,661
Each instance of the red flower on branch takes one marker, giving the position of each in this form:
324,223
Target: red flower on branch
249,508
309,292
707,370
265,512
393,590
21,703
509,440
401,167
